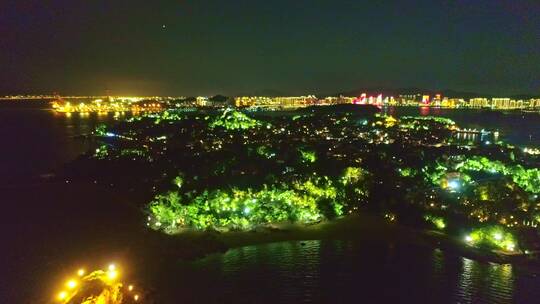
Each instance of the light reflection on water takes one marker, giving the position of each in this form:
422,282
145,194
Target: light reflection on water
516,127
39,140
348,271
485,283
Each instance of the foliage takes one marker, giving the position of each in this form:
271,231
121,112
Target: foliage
134,152
167,115
437,221
235,208
308,156
265,152
102,152
437,119
407,172
301,201
234,120
492,236
353,175
179,181
101,130
424,123
527,179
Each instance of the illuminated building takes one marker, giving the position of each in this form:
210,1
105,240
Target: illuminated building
534,103
379,99
251,101
283,102
479,103
297,101
202,101
336,100
437,100
456,102
501,103
363,98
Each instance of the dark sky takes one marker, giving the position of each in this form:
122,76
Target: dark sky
200,47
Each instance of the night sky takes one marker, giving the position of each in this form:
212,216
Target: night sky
200,47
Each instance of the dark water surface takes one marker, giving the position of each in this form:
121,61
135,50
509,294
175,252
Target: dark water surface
47,228
349,272
36,140
515,127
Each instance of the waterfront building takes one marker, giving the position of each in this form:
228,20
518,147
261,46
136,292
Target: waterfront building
202,101
534,103
479,103
500,103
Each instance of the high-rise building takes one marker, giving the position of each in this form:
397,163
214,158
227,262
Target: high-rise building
500,103
479,103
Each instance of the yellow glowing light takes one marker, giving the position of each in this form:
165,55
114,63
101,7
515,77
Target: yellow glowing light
511,247
112,274
80,272
112,267
130,287
71,284
497,236
136,297
468,239
62,295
